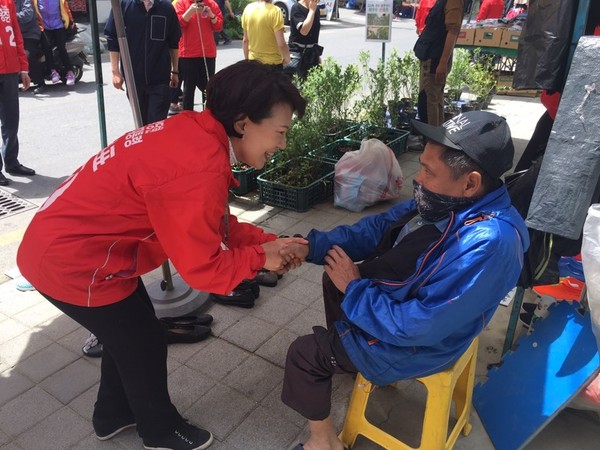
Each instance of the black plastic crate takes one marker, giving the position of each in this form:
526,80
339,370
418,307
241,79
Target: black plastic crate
295,198
394,138
330,152
247,178
349,128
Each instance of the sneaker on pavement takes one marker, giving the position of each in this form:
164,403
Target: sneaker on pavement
92,347
185,437
70,78
23,285
55,77
106,429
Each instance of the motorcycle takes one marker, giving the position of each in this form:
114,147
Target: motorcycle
75,49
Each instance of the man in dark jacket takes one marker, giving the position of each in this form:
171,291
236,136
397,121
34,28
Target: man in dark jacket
31,32
153,34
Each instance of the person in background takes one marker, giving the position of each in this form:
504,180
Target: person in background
305,25
225,7
433,271
197,48
491,9
421,14
434,49
56,17
520,7
13,68
159,192
31,32
263,39
153,34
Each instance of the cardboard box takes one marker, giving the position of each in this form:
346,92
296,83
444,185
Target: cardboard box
504,80
488,37
466,36
510,39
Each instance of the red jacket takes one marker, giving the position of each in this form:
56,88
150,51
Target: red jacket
12,53
491,9
159,191
190,44
422,13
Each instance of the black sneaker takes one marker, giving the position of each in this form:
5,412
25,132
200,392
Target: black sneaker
185,437
106,429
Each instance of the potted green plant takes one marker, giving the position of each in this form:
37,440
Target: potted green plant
370,108
402,75
482,83
458,77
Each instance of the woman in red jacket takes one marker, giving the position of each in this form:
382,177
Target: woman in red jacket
159,192
197,47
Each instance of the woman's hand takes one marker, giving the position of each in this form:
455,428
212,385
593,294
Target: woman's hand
285,254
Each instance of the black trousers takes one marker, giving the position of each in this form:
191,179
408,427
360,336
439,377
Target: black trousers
9,118
133,382
35,68
58,38
195,76
537,144
154,101
312,360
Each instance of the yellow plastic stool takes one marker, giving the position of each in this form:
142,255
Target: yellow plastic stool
455,383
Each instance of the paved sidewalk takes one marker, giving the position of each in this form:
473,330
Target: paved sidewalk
230,383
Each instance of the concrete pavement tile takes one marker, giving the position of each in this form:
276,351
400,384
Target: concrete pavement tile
263,429
220,411
10,329
218,359
249,333
58,327
71,381
23,346
13,301
275,349
91,442
13,384
181,353
256,216
172,364
319,305
4,438
276,310
12,446
45,362
314,274
74,341
187,386
321,219
409,168
255,378
37,314
224,317
52,433
302,228
302,291
273,402
303,324
26,410
83,404
279,222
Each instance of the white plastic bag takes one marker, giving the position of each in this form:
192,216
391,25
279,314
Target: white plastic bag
367,176
590,258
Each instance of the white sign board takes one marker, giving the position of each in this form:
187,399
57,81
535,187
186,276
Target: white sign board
379,20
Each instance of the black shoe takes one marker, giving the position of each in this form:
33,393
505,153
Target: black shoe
3,180
201,319
39,90
106,429
92,347
186,334
249,284
185,437
242,298
266,278
20,170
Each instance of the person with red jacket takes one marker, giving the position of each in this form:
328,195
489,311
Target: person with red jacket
13,67
159,192
491,9
421,14
197,47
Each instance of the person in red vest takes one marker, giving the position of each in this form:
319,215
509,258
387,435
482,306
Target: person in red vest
491,9
421,14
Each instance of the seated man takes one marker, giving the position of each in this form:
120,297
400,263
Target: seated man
433,271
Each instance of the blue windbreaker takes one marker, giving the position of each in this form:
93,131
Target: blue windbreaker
394,330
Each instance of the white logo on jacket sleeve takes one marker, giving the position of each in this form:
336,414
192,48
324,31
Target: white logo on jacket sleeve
103,156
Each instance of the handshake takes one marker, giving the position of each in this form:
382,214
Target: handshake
285,253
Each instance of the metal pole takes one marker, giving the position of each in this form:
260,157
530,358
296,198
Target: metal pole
98,70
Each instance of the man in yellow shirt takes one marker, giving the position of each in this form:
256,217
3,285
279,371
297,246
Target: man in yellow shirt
263,40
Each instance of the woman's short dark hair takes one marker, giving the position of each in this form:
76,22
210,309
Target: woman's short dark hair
250,89
460,164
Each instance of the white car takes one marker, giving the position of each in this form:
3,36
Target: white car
286,8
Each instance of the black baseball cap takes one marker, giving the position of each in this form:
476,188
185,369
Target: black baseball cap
483,136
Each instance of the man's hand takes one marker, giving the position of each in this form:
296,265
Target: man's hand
174,82
280,258
25,80
441,72
340,268
117,80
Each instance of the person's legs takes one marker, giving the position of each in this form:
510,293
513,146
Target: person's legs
134,369
35,69
191,78
537,144
332,299
207,70
60,38
9,117
434,93
311,362
46,43
158,96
